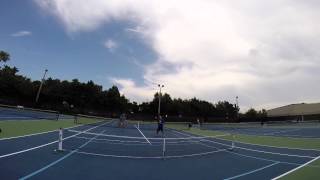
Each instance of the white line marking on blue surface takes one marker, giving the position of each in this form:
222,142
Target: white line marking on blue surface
143,135
248,156
57,161
151,157
295,169
15,137
262,145
278,147
47,144
278,132
250,172
265,152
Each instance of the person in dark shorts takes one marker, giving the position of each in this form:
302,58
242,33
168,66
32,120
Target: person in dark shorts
160,125
189,125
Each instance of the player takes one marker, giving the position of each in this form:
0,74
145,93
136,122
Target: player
122,120
198,123
160,125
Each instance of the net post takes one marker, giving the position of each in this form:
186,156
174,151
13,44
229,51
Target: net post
138,124
164,148
75,119
232,142
60,139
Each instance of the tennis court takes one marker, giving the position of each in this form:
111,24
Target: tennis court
14,113
100,150
307,129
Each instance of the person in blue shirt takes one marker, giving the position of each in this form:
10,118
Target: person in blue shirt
160,125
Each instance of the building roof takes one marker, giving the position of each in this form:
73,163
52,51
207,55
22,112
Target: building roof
295,110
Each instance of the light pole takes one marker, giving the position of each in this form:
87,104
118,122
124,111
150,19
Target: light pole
237,106
159,96
40,87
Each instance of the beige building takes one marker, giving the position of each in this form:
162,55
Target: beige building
302,109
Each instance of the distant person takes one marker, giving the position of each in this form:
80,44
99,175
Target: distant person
122,120
0,130
190,125
198,123
160,125
75,119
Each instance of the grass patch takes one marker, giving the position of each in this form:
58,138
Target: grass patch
25,127
82,120
303,143
307,172
19,128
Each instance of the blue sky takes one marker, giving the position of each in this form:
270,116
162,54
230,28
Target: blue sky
69,55
264,52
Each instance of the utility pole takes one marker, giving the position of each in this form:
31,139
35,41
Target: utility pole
40,87
159,97
237,106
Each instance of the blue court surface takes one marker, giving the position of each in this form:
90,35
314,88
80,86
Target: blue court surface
14,113
102,151
298,130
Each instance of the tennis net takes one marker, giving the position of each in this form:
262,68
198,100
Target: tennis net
126,124
108,145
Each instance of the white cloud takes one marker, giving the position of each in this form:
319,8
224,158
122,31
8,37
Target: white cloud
134,92
111,45
266,52
21,33
137,29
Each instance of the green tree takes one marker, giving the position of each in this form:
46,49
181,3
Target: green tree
4,56
251,113
262,113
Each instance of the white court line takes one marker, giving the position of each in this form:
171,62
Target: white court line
279,147
298,136
253,171
5,118
283,131
1,139
143,135
135,137
265,152
150,157
295,169
254,150
259,158
43,145
263,159
40,132
57,161
140,142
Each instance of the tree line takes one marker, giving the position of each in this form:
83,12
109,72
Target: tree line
89,98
